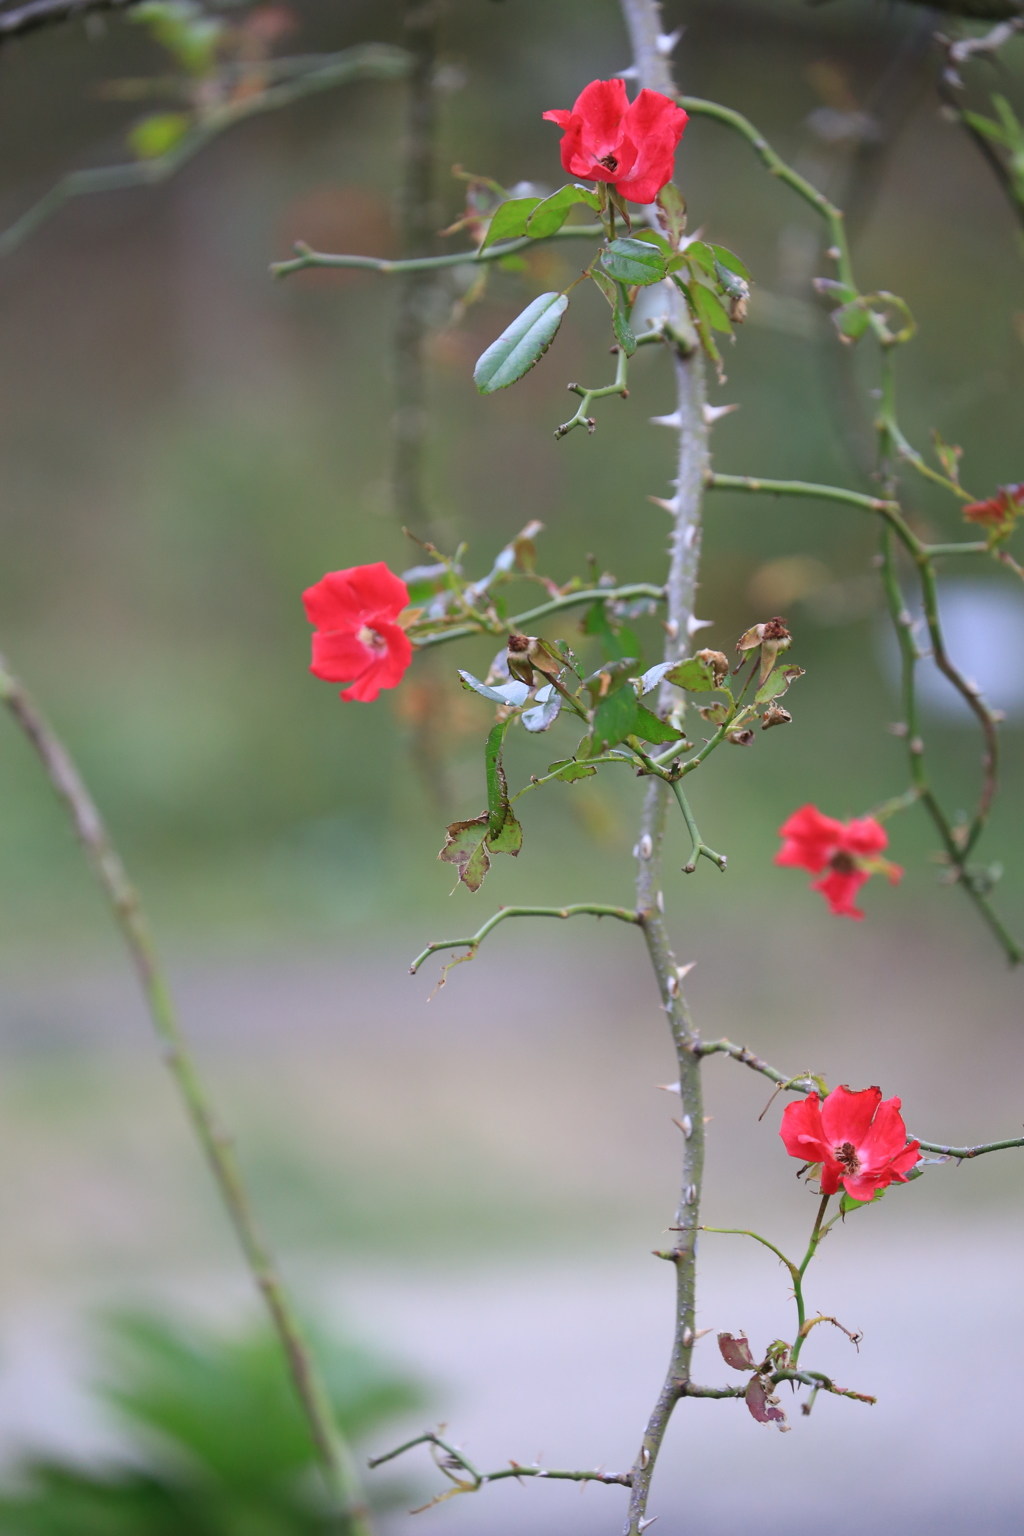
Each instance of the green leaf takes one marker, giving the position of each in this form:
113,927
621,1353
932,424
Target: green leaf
633,262
184,30
521,344
508,221
696,674
607,287
652,237
155,135
672,213
651,728
569,770
615,718
730,260
709,308
776,683
851,320
702,254
549,216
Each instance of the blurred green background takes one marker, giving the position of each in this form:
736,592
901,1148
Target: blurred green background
185,445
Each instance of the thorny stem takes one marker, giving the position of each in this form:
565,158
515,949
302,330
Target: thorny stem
805,1083
456,1460
644,24
333,1450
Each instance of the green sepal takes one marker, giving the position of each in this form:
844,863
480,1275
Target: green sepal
672,213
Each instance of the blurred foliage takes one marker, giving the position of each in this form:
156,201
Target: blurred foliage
216,1444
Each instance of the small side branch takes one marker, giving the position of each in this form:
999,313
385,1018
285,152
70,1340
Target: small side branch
962,1153
699,848
522,622
832,215
815,1379
21,19
757,485
367,61
473,942
306,257
466,1478
740,1053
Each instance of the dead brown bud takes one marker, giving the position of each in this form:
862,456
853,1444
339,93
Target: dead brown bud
718,663
775,715
740,738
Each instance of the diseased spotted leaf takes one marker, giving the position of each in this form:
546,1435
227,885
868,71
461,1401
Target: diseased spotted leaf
776,683
509,220
465,848
735,1349
634,262
509,839
521,344
497,784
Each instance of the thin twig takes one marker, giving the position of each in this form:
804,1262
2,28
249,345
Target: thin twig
367,61
306,257
473,942
105,862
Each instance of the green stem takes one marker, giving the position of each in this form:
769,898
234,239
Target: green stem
832,215
473,942
333,1450
310,258
581,419
699,848
521,622
798,1278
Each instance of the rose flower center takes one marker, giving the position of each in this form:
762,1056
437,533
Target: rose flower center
609,162
847,1155
373,642
842,863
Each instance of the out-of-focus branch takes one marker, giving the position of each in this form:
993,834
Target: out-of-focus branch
367,61
20,19
333,1450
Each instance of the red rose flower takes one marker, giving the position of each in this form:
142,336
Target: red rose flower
1000,511
631,144
859,1140
357,640
850,852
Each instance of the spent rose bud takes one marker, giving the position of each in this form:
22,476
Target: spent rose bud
857,1139
845,854
1000,512
632,145
356,639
